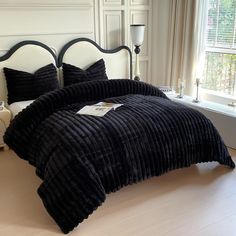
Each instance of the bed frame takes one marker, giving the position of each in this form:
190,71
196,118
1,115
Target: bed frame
82,52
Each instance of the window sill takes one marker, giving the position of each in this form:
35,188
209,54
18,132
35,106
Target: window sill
212,106
216,97
222,116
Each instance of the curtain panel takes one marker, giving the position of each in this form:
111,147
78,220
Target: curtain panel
182,46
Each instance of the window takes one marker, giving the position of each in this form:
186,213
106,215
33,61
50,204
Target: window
220,59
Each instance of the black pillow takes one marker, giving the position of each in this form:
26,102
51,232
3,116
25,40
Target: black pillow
24,86
73,74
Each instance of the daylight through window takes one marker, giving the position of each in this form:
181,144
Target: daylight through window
220,62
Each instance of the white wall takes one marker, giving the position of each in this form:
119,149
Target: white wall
55,22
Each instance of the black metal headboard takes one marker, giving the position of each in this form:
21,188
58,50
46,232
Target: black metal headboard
105,51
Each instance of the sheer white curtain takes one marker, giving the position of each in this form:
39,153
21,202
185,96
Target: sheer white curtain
200,38
185,42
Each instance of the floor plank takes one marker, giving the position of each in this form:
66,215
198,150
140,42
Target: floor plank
196,201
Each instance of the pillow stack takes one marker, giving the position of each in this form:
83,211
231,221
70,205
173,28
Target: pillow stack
23,86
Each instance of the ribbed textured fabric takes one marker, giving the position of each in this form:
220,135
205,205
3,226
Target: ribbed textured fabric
80,158
73,74
24,86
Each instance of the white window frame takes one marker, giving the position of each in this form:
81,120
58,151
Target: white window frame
217,96
220,50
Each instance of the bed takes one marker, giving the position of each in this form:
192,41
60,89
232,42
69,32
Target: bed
37,54
81,158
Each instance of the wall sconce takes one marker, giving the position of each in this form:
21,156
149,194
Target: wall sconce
137,36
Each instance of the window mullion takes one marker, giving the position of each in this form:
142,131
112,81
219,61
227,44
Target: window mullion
221,50
234,66
234,35
217,22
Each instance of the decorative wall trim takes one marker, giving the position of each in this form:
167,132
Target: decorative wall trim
141,8
48,6
139,2
97,22
119,34
114,8
46,33
113,2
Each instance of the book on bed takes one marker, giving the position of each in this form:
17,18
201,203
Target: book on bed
1,105
99,109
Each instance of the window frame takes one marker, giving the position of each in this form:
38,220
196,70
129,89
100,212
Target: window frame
220,50
213,95
216,47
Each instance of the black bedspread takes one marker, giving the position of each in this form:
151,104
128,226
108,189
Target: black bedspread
80,158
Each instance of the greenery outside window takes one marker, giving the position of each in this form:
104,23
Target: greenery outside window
220,59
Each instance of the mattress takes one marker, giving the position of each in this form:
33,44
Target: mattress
16,107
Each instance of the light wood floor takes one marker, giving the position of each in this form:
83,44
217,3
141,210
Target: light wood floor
200,200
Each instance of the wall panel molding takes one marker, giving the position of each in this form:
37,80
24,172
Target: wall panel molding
36,22
96,22
131,11
47,33
53,22
139,2
113,29
42,4
144,70
113,2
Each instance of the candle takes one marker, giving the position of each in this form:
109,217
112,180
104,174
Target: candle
198,80
197,92
181,83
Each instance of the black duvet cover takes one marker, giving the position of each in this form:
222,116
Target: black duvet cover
80,158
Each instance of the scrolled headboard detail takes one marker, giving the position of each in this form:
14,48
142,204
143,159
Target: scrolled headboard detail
31,55
25,56
82,52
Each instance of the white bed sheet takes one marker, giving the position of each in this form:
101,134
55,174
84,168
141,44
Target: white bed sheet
16,107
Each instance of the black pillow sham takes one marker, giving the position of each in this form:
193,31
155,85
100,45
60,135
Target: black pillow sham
24,86
73,74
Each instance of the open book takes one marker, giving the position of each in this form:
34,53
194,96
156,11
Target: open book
98,109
